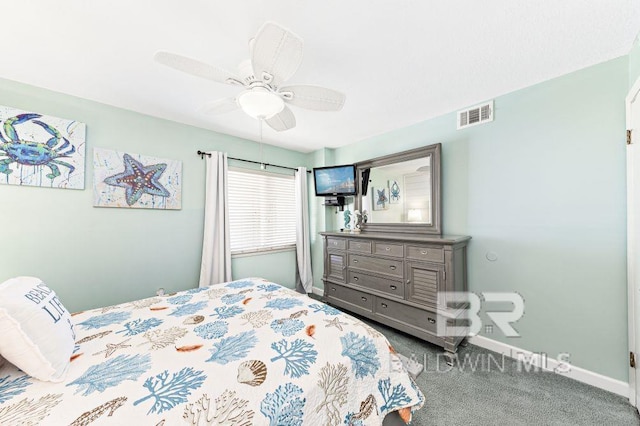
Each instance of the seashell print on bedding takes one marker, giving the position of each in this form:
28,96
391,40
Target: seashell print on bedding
196,319
252,372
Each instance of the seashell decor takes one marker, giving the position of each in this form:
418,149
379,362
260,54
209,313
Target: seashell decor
196,319
252,372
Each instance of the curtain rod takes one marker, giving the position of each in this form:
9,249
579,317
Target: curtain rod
202,154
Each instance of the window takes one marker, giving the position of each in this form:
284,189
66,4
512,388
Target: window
262,211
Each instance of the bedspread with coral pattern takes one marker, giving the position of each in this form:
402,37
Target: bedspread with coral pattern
247,352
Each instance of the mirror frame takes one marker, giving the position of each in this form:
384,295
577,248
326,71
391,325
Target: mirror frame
436,206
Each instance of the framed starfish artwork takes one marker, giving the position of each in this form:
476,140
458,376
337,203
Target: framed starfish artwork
136,181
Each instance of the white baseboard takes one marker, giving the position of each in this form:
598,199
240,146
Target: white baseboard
317,291
559,367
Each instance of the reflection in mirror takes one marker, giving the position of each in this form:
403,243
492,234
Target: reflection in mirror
400,192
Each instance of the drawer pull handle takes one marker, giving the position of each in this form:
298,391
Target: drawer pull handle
431,320
335,243
355,260
359,245
393,287
408,281
333,288
355,278
388,248
393,268
384,305
423,252
364,299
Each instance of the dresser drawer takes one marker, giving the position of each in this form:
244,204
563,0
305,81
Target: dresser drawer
376,264
350,296
336,243
385,285
360,246
429,253
408,315
395,250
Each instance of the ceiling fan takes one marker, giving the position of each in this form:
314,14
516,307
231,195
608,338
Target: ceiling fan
276,54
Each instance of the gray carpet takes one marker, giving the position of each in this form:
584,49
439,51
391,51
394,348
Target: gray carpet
460,396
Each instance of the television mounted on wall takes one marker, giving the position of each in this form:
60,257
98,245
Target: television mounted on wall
335,180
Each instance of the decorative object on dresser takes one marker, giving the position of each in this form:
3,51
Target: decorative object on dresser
400,272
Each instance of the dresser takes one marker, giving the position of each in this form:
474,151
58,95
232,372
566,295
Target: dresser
400,280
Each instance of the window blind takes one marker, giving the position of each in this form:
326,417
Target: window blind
261,211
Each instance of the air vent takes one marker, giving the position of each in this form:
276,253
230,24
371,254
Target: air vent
475,115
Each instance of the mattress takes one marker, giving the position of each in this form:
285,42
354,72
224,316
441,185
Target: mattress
246,352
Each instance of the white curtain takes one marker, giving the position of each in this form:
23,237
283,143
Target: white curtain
304,278
216,251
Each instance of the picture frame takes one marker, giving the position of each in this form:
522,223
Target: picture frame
127,180
394,191
379,198
41,150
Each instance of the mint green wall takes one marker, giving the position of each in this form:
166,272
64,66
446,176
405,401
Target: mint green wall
543,187
321,217
99,256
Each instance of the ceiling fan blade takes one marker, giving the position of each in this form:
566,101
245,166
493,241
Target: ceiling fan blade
313,97
221,106
197,68
284,120
276,54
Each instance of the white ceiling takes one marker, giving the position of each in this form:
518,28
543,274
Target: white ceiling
399,62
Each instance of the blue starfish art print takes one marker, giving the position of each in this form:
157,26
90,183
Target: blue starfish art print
132,180
138,179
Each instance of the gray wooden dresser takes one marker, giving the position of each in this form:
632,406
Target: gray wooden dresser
398,279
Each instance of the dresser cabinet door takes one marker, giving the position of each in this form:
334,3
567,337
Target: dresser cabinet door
423,282
336,266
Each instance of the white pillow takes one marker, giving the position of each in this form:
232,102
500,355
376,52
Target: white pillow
37,331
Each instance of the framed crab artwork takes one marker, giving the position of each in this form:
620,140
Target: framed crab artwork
40,150
394,191
129,180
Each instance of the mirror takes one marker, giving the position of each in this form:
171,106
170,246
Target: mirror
402,191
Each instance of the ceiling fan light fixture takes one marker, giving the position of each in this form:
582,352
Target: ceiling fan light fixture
260,103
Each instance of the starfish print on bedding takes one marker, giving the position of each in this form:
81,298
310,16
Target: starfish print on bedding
335,322
111,348
139,179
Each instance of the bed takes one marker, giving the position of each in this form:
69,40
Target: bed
246,352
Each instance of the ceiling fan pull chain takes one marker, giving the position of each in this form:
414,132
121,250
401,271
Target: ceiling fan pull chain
262,166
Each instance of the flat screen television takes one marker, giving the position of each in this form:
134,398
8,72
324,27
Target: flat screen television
335,180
